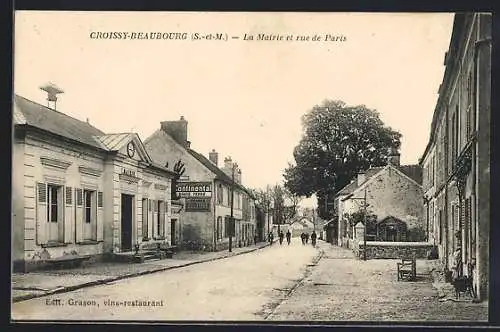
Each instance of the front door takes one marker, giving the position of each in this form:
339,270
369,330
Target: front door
172,232
126,234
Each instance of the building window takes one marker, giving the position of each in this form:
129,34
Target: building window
88,206
53,207
219,194
226,227
145,226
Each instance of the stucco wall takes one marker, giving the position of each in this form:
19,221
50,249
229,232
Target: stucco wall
390,193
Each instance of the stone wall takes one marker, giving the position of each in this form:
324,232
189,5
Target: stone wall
393,250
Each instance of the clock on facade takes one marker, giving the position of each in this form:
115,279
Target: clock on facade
130,149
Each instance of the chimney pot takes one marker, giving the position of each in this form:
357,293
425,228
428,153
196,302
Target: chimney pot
214,157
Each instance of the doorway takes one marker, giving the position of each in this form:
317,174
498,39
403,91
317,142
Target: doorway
173,232
126,233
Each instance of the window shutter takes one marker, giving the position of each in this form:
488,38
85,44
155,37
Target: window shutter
79,215
100,217
41,213
68,215
155,218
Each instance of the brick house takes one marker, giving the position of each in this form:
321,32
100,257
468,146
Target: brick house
207,214
392,191
456,160
77,190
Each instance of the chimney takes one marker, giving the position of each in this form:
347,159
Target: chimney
228,165
237,176
214,157
393,158
178,131
361,178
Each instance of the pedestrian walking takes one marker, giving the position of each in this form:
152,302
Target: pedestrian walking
270,238
313,239
307,238
288,236
303,238
281,236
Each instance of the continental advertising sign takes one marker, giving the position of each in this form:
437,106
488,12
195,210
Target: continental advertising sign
194,189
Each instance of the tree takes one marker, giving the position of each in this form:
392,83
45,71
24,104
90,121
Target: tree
338,141
279,201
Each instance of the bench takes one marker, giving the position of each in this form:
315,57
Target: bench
407,269
159,250
71,260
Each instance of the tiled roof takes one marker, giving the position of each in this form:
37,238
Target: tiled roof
39,116
349,189
160,136
219,174
414,172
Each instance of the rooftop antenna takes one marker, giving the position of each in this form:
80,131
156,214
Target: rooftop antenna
52,92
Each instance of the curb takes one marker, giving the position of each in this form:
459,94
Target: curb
125,276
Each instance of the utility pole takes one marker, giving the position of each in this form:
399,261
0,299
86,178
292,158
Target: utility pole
364,224
232,227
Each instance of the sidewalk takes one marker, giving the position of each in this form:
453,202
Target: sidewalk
41,283
344,288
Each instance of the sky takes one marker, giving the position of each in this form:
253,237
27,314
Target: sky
244,98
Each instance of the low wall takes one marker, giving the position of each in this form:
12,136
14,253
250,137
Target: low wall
393,250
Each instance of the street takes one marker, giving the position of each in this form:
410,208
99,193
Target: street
244,287
293,282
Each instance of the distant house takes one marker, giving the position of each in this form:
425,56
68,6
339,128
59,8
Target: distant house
299,225
393,191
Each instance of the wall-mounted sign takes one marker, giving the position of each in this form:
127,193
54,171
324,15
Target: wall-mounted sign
194,189
198,204
128,172
160,187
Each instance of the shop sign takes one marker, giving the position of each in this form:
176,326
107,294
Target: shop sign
194,189
197,204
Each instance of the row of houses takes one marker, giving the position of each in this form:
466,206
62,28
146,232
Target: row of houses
456,161
77,190
447,195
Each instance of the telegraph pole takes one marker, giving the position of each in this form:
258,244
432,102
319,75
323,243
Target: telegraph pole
364,224
231,221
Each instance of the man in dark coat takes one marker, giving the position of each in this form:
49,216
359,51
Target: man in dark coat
288,236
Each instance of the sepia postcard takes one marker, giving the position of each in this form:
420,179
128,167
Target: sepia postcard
251,166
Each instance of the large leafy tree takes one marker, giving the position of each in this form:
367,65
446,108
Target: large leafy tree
338,141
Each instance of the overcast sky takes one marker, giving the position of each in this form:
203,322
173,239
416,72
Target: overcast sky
243,98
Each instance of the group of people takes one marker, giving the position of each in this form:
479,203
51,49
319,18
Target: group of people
304,237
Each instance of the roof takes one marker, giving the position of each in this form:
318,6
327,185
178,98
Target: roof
219,174
162,158
349,189
114,142
414,172
27,112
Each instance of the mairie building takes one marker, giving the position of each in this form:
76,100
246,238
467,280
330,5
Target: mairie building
79,191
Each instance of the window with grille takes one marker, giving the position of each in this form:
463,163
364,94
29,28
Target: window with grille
42,193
